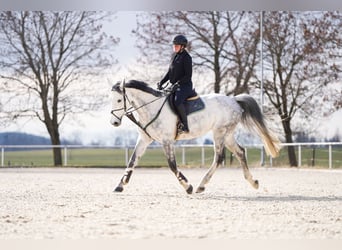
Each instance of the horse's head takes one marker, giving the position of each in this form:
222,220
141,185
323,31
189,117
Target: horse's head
118,104
122,105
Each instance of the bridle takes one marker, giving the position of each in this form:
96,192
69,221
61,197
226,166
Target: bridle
124,107
129,112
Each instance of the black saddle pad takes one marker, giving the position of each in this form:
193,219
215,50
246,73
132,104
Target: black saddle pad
192,104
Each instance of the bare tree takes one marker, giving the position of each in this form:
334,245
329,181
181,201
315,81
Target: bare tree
243,52
47,62
299,63
223,43
334,41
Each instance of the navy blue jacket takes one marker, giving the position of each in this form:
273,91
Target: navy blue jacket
180,69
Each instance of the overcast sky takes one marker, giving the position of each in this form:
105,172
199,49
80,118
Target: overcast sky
121,27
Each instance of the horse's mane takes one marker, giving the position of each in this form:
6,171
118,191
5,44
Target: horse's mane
143,87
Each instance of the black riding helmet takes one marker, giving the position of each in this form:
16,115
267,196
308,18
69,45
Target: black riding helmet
180,40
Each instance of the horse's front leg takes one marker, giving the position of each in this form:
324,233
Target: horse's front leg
139,150
171,159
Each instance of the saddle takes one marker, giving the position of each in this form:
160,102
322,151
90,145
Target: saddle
192,104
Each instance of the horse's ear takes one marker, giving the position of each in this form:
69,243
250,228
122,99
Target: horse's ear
116,86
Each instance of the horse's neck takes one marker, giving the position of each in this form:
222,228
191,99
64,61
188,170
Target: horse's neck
146,105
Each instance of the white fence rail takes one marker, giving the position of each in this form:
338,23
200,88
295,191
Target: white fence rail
66,148
313,144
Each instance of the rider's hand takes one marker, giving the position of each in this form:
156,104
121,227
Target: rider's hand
175,86
159,86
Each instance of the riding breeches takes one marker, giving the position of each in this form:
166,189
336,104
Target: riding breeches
183,92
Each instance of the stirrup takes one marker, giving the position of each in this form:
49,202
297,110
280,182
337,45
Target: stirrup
182,129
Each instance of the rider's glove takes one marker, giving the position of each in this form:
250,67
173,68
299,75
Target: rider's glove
175,86
159,86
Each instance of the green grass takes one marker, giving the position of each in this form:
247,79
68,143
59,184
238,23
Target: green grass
154,157
320,156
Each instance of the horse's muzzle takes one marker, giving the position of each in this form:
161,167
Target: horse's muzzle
115,121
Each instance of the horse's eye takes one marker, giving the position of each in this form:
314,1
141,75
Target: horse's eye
119,100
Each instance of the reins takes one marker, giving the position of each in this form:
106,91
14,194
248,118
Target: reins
129,112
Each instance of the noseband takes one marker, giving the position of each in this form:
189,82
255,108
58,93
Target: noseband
124,107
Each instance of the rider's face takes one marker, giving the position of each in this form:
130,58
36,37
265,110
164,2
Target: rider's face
176,48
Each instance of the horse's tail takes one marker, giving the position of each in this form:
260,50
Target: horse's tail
254,120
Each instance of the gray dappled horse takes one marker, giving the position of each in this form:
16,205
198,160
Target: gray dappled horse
149,110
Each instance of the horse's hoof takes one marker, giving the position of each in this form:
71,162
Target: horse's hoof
189,189
118,189
256,184
200,190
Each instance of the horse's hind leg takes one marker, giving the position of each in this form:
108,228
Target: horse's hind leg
139,150
218,160
239,152
171,159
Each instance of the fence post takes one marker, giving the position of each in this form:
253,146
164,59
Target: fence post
299,155
65,156
2,156
203,156
330,157
183,156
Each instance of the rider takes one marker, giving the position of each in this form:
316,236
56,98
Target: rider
179,74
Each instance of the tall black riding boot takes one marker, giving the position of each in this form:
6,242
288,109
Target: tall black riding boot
183,118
